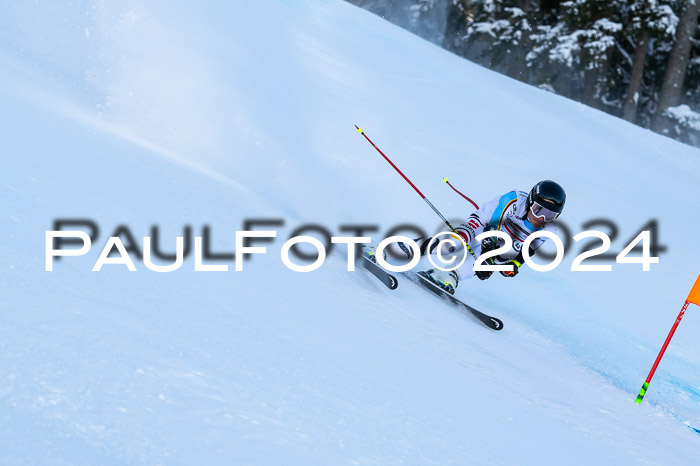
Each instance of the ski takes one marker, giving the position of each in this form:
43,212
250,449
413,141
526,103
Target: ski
392,283
490,321
385,277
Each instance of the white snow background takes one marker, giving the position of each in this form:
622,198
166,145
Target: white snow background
175,113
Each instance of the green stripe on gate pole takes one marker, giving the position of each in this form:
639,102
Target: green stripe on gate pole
642,392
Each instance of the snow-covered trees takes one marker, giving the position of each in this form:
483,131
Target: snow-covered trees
677,65
637,59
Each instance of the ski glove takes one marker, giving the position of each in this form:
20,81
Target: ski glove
487,244
485,274
516,265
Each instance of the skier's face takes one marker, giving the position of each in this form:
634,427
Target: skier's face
537,222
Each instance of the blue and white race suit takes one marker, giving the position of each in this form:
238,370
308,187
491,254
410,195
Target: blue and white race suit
506,213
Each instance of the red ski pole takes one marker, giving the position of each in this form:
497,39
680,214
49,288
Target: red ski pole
693,297
458,192
471,251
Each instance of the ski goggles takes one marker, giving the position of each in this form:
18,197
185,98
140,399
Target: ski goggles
543,213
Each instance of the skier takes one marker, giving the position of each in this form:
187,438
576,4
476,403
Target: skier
516,213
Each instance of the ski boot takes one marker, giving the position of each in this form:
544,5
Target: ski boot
448,281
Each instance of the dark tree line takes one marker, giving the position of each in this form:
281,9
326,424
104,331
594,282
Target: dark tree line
637,59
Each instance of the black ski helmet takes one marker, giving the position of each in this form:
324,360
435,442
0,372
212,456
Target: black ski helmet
548,194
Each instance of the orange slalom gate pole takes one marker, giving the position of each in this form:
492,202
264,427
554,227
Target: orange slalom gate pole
693,297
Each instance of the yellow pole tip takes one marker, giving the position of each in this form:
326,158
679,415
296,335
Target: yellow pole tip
444,180
359,130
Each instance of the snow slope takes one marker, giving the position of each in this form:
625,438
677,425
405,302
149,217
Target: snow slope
175,114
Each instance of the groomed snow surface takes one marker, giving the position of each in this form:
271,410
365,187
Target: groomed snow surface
143,114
